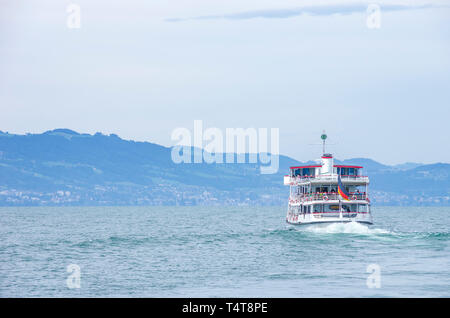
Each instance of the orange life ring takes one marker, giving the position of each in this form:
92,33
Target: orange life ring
325,197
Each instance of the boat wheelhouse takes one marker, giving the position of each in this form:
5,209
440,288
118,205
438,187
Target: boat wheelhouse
326,192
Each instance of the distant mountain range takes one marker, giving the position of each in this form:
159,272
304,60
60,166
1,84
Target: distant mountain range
63,167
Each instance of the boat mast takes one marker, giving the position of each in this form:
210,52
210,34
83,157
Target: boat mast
323,137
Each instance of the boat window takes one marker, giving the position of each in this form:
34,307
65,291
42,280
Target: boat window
362,208
331,207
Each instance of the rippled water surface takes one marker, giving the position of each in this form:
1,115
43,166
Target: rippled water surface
220,252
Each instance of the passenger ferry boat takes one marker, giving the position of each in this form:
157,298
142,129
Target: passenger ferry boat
327,193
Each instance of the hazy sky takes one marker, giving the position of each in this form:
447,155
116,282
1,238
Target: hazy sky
143,68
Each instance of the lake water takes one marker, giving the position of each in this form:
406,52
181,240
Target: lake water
220,252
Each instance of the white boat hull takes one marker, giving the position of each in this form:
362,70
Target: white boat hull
327,222
320,219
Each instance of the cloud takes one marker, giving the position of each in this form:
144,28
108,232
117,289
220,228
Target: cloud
319,10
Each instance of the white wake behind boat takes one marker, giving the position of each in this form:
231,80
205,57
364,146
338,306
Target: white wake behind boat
327,193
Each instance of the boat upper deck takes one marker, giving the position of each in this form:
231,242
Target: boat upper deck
326,179
327,173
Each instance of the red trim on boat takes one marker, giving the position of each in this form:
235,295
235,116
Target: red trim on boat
301,167
337,212
345,166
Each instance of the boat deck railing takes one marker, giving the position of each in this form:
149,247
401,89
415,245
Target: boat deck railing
329,177
326,197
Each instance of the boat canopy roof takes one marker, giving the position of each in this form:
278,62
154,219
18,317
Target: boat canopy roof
303,167
318,166
345,166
